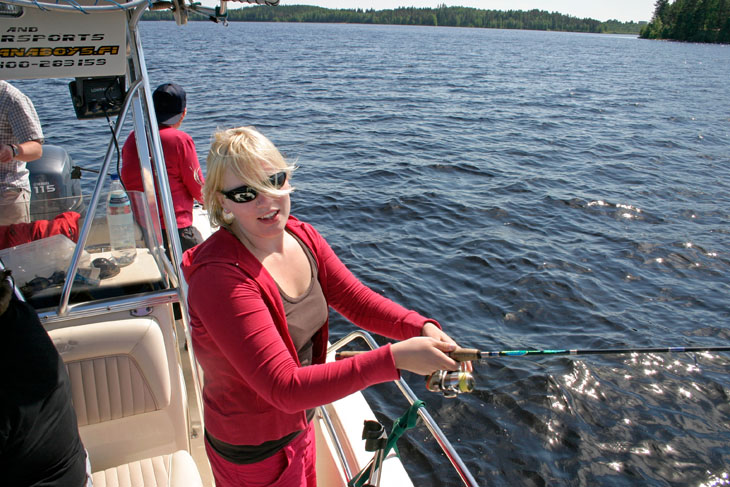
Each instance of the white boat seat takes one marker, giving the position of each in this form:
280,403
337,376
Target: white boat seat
117,369
121,383
177,469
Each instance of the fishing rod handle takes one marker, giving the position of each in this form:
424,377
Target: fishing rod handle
465,354
460,354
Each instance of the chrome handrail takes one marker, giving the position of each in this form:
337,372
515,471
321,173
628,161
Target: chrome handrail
62,309
101,307
456,461
322,411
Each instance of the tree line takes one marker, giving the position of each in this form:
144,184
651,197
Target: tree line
690,20
441,16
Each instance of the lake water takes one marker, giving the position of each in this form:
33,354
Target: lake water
528,190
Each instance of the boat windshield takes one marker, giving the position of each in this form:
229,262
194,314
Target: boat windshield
39,253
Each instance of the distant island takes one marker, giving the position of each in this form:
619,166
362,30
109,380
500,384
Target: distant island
690,21
442,16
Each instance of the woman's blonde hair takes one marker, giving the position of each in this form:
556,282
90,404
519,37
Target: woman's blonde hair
251,157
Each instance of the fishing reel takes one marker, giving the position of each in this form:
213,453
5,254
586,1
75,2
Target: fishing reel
450,383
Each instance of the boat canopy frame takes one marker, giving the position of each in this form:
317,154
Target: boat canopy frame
138,101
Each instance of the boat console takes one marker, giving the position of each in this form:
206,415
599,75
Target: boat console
41,258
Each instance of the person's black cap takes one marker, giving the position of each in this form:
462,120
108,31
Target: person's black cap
170,101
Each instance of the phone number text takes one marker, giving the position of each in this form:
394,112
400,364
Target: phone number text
56,63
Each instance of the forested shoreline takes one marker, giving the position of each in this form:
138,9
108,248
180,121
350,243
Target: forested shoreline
441,16
690,20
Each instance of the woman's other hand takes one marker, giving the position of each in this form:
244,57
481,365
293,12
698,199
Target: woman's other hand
433,331
423,355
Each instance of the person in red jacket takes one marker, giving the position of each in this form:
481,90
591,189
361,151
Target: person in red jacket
181,160
259,293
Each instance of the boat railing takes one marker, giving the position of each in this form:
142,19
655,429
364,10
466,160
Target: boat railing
448,449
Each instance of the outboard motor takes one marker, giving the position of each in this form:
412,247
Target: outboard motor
54,186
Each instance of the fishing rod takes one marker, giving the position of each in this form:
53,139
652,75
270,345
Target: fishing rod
453,382
472,354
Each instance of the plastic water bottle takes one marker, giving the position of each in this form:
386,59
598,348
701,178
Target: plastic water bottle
121,225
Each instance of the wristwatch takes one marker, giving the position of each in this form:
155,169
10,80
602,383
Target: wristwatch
14,148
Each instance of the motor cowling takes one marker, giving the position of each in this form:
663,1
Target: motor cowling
54,186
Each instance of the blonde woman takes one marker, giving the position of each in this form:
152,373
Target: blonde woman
260,289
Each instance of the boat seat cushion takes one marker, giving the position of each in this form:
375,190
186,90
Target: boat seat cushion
117,369
176,469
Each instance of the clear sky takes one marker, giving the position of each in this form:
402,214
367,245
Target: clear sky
623,10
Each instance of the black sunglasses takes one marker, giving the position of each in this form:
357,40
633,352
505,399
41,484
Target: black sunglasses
244,194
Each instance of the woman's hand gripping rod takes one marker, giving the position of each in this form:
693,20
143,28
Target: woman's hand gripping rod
460,354
448,382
